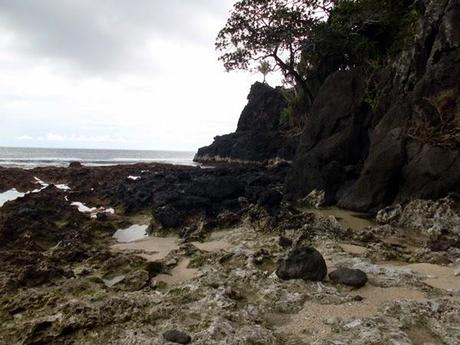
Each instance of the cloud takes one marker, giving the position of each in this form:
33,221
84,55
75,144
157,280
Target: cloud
106,35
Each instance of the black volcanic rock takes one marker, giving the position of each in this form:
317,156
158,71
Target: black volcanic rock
177,337
302,263
405,143
258,137
347,276
335,137
263,110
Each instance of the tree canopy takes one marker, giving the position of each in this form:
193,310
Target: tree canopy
275,30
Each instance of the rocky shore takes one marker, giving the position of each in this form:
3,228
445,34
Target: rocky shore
227,260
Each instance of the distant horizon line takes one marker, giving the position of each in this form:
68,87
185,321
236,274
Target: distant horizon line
92,149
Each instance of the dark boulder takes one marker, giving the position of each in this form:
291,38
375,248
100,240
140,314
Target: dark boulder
302,263
75,165
177,337
347,276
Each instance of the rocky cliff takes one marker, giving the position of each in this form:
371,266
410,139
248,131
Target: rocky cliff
259,136
391,133
374,135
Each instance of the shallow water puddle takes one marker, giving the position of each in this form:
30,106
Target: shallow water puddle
93,211
131,234
13,194
150,248
179,274
10,195
349,219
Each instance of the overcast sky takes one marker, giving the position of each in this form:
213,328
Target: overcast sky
140,74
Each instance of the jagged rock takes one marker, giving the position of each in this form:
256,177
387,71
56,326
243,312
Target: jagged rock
406,145
432,217
389,215
258,137
176,336
350,277
414,151
302,263
315,199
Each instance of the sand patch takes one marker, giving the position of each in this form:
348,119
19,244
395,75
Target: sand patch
313,318
179,274
353,249
440,277
348,219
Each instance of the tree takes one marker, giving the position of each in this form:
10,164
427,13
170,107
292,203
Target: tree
262,30
264,68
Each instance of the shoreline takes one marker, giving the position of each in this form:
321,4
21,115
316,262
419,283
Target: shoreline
126,253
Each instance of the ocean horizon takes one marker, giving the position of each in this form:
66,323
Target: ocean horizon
29,158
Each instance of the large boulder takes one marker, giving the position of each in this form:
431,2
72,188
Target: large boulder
302,263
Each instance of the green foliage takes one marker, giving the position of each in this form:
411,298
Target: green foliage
358,32
294,115
264,68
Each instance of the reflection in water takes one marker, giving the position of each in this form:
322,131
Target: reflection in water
179,274
131,234
10,195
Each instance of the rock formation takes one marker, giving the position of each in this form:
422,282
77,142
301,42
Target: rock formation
374,135
259,136
406,144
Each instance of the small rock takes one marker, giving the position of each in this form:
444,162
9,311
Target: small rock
315,199
358,298
176,336
389,215
285,242
350,277
75,165
302,263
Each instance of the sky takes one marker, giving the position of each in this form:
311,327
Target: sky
140,74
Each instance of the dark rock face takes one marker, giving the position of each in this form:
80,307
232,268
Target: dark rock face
350,277
263,110
258,137
302,263
414,149
176,336
407,144
335,138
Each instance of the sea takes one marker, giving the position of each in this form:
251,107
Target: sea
28,158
